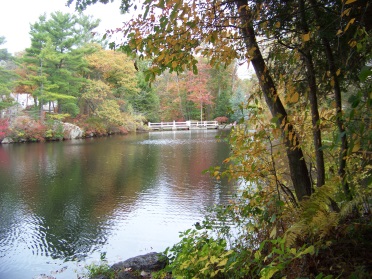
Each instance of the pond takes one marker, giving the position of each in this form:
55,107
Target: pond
63,205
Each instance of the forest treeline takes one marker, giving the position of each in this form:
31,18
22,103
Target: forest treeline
70,74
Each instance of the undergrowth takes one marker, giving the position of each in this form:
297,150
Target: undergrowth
265,233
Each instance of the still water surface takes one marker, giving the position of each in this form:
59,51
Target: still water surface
63,204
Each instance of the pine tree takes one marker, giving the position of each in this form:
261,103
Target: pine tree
55,61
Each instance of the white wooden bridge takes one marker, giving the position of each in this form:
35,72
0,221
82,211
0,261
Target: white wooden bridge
187,125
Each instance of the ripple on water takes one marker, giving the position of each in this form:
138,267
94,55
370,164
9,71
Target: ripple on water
87,208
171,142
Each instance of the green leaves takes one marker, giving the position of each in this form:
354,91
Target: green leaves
199,256
146,11
54,64
365,72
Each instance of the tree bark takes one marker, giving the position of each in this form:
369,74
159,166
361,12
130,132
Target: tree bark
338,99
315,119
297,165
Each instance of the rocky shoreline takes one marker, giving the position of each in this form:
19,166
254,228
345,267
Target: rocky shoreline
67,131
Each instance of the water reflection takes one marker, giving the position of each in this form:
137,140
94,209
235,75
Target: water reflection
65,202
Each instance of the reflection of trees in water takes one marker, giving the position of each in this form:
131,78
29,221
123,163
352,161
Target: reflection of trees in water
84,194
72,190
185,157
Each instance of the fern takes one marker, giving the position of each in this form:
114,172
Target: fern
315,218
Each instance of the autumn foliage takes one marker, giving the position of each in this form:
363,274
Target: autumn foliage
4,128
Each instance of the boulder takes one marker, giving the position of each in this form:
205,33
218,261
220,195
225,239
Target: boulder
71,131
7,140
140,266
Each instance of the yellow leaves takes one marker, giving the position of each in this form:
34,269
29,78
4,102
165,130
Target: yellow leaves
268,272
276,132
294,98
332,82
340,32
161,56
223,262
352,43
351,21
273,233
251,51
257,255
349,2
356,147
277,24
338,72
185,264
346,12
306,37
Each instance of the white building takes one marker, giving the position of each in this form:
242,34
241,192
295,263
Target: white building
26,100
23,101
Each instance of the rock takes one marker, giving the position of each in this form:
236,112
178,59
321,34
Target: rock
140,265
71,131
7,140
100,277
128,275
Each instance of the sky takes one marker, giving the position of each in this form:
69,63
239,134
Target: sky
17,15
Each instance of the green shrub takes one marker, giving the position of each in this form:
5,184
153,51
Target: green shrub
70,108
54,130
199,256
100,269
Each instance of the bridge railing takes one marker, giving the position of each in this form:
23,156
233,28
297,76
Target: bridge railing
185,124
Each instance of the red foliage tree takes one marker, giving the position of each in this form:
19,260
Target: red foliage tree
197,87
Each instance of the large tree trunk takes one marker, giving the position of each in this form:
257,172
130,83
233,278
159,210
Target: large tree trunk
315,119
297,165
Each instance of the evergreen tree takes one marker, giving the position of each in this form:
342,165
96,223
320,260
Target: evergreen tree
7,76
55,61
146,101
